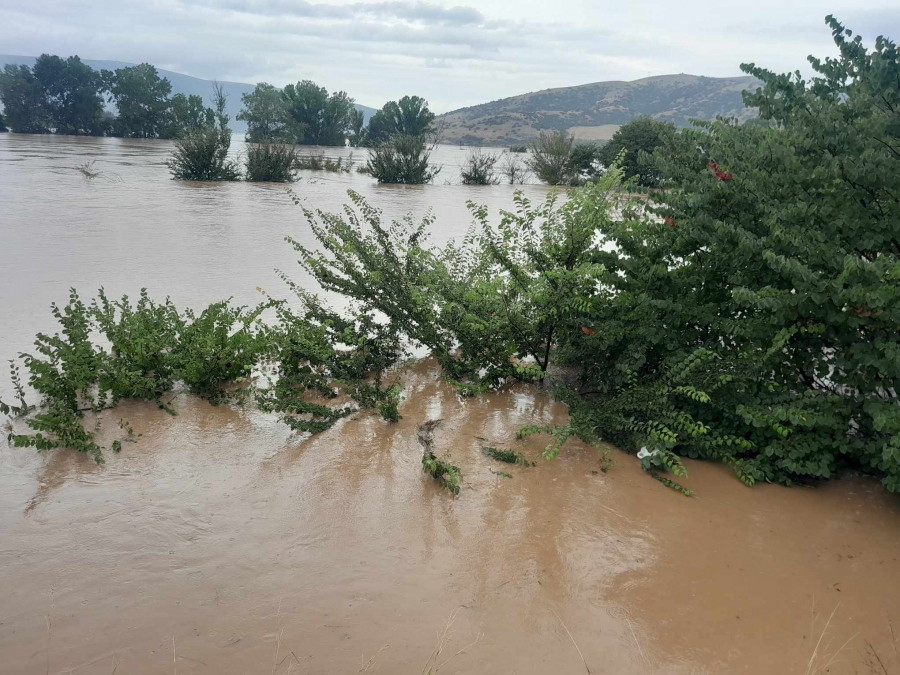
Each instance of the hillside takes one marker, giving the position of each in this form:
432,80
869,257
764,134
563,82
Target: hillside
595,111
181,84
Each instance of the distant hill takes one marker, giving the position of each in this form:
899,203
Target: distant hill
181,84
596,111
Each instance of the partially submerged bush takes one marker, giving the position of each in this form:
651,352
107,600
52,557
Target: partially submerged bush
404,160
319,162
550,158
479,169
506,456
514,170
203,153
270,163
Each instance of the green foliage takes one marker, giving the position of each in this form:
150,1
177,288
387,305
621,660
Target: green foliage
187,115
323,356
265,113
635,141
754,320
142,339
403,159
3,127
314,117
203,154
584,158
220,345
507,456
550,158
317,161
24,101
447,475
270,163
518,148
141,97
409,116
479,169
358,133
71,95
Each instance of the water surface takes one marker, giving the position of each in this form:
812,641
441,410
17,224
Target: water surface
222,543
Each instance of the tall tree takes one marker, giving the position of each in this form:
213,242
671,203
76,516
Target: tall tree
642,135
265,113
72,94
24,101
142,99
357,134
314,117
409,116
186,115
304,103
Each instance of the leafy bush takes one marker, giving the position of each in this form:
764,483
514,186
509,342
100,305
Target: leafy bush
518,148
220,345
142,339
203,153
479,169
319,162
404,159
270,163
635,141
550,158
754,321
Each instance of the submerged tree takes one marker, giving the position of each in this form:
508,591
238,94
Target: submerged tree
142,99
265,113
203,153
550,158
314,117
72,95
479,169
403,160
24,101
409,116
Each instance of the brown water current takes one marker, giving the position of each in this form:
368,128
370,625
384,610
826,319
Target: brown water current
221,543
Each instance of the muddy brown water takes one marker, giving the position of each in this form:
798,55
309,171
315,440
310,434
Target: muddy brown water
222,543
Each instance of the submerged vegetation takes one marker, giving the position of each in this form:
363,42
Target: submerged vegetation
203,153
270,163
748,314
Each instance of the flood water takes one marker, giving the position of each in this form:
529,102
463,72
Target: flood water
222,543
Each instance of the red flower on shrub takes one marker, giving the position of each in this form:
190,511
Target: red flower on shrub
587,331
670,221
721,175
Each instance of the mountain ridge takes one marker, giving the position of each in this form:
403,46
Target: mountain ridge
596,110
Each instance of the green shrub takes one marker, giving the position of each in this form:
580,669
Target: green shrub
142,339
219,346
403,159
479,169
202,154
270,163
550,158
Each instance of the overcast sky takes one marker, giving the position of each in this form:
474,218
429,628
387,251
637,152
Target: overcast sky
452,52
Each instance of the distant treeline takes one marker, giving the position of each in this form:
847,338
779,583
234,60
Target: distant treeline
66,96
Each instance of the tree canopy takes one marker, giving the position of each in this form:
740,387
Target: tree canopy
265,113
409,116
636,139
